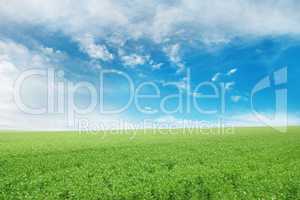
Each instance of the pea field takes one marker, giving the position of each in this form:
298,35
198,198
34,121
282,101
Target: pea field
250,163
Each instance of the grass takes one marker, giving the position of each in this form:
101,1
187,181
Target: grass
252,163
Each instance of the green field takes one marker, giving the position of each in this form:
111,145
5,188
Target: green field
252,163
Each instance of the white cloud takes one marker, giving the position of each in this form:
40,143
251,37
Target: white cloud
24,58
219,76
157,66
95,51
216,77
182,85
173,52
8,73
231,72
133,60
229,85
14,59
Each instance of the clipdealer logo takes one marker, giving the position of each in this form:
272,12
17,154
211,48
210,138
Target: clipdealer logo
277,80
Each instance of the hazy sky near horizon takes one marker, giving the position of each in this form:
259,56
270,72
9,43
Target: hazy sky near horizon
174,45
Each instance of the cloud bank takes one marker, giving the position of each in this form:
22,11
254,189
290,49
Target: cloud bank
207,20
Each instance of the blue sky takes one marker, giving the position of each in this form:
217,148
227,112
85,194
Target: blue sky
175,45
